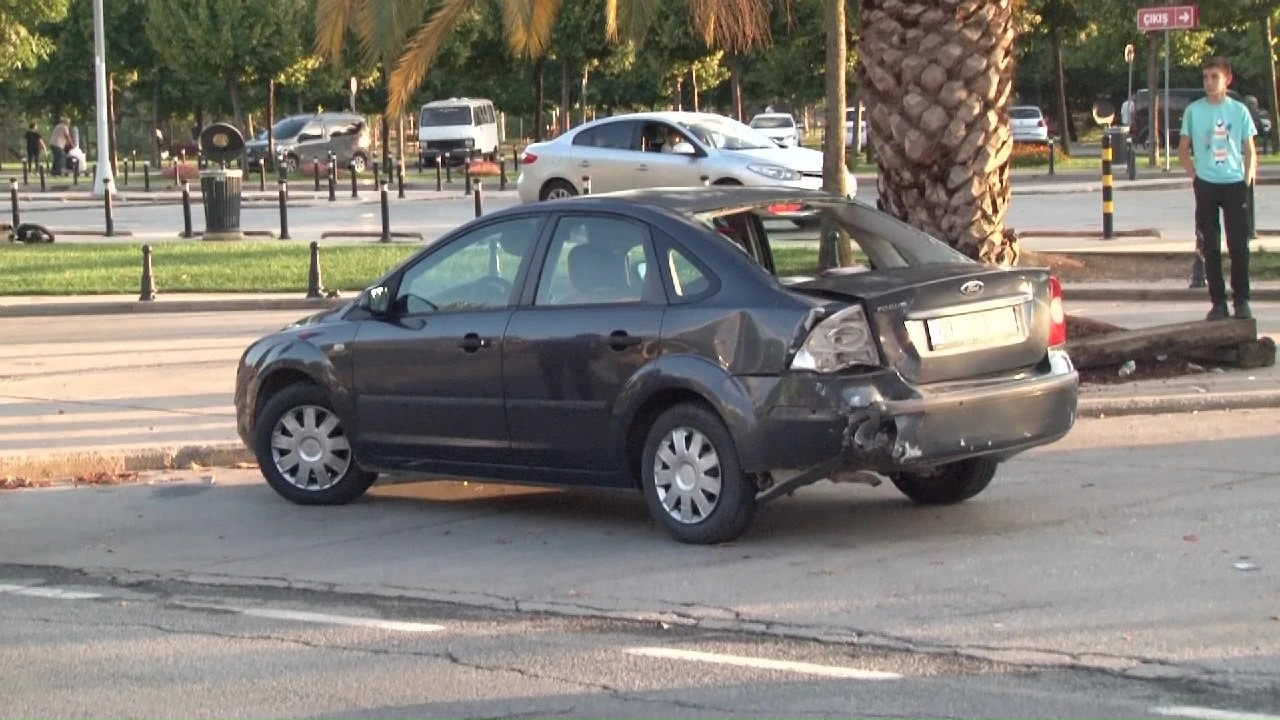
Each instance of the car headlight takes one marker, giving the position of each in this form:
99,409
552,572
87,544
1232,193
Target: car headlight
775,172
840,341
470,142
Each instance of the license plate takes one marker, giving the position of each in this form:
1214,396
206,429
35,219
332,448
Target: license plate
989,327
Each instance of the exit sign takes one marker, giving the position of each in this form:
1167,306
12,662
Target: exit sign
1172,17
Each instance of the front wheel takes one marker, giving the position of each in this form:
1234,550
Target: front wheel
304,450
948,484
691,479
359,162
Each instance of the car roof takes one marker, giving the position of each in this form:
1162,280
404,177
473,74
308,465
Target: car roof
694,200
457,101
773,115
668,115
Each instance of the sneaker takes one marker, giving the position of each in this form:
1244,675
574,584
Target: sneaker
1219,312
1242,311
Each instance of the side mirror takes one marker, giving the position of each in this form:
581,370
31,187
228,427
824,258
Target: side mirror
684,148
377,301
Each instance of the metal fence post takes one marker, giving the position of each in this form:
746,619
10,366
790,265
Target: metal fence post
107,209
439,184
186,210
502,172
148,279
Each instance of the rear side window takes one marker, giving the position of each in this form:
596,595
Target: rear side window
344,129
614,136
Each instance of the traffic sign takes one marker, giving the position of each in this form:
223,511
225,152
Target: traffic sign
1128,53
1172,17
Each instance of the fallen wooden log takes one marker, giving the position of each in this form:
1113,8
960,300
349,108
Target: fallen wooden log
1147,343
1249,354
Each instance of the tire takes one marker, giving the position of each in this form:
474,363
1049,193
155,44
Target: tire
308,405
680,429
360,162
555,189
950,484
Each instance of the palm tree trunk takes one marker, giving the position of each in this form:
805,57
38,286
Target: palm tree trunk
539,98
1153,93
1060,85
834,248
735,85
939,75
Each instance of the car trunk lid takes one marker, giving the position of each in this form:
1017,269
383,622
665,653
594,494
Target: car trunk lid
944,322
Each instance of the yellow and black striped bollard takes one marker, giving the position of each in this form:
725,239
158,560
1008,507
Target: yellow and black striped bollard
1108,199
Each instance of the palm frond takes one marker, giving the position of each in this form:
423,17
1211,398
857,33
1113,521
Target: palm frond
733,25
529,24
383,26
412,66
629,20
332,20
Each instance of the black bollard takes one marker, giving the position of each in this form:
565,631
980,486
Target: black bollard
1251,215
13,202
262,176
515,156
1052,144
284,208
466,178
439,183
586,184
1132,158
25,169
75,172
148,280
146,177
448,172
1108,201
479,200
43,187
386,215
355,187
107,209
502,172
705,179
400,179
377,174
313,274
125,166
186,211
315,170
333,181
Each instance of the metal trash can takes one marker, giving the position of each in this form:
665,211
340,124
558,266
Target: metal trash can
1119,146
221,190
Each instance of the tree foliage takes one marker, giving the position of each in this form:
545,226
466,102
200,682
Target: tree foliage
22,43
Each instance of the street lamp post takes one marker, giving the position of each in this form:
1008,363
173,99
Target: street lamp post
102,177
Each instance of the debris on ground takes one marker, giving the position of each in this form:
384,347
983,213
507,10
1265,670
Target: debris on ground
15,482
103,477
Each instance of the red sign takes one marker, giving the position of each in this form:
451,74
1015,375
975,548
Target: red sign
1173,17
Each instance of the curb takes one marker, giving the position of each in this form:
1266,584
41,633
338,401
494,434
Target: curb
179,457
1171,404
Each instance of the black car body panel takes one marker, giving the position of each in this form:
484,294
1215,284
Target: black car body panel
559,395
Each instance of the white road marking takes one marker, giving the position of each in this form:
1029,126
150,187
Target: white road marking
1210,713
325,619
765,664
51,593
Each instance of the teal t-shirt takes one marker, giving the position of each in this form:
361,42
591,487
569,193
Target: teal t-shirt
1218,133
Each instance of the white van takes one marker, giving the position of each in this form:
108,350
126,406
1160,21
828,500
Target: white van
458,128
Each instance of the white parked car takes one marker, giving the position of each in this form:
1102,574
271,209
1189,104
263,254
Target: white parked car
778,127
1028,124
851,116
663,149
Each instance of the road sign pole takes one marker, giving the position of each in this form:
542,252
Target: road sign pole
1167,133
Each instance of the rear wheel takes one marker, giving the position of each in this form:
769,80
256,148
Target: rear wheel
691,479
304,451
557,190
359,162
948,484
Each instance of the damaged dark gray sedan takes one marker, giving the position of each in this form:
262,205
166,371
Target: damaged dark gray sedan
644,340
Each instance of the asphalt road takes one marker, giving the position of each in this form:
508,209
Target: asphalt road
1169,211
76,646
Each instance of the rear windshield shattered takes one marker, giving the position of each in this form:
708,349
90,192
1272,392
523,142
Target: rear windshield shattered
792,232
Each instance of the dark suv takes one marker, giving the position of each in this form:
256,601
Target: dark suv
1179,99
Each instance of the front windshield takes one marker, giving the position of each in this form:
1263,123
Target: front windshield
286,128
772,123
445,116
726,134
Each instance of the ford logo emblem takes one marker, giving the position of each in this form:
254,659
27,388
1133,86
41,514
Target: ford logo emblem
973,287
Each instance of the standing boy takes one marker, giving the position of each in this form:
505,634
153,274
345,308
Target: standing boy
1221,132
35,145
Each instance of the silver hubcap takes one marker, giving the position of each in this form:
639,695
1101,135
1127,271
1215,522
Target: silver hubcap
310,449
686,472
558,193
358,164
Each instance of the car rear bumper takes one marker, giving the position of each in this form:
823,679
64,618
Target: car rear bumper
879,422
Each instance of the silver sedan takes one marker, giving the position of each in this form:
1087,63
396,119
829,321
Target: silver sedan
664,149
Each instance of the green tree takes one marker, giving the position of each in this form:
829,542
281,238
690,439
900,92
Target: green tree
22,45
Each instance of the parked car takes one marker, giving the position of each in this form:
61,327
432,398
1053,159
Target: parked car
778,127
304,139
1028,124
633,151
1179,99
850,117
458,129
643,340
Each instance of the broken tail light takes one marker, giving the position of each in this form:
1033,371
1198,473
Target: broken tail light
1057,314
840,341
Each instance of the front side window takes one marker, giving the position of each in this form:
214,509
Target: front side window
474,272
596,261
344,129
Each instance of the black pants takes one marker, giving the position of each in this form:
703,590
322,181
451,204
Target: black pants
1231,199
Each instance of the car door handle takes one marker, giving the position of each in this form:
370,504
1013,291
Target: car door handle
642,168
472,342
584,163
620,340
